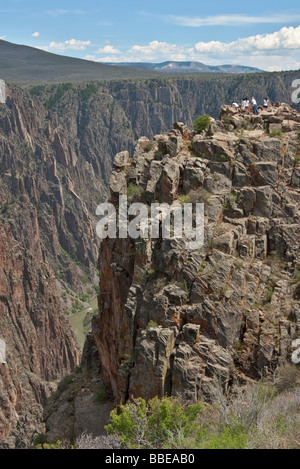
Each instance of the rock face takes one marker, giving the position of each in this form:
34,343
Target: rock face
40,347
36,222
171,319
56,147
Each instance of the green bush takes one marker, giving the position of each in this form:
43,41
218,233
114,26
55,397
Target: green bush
90,89
276,133
151,323
64,383
40,439
57,445
160,423
297,159
269,294
202,123
84,298
151,274
57,96
253,416
134,191
150,145
184,199
229,438
37,90
100,396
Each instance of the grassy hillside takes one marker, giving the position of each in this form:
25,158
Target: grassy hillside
23,64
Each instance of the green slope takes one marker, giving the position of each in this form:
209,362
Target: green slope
23,64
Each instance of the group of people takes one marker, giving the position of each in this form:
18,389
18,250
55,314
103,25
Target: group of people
248,106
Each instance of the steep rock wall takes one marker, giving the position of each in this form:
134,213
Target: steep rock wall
170,318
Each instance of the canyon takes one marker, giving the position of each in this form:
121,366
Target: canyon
168,319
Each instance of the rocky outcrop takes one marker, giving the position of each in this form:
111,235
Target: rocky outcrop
171,319
56,150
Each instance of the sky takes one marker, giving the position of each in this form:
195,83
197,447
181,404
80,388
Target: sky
263,34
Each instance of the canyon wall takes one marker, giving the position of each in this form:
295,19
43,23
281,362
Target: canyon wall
57,145
172,319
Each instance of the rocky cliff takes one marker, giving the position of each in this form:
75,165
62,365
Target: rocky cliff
171,319
35,223
56,151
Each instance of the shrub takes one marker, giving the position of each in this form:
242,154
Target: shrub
184,199
238,264
251,416
276,133
269,294
134,191
160,423
297,159
202,123
37,90
63,385
57,445
151,274
90,89
226,120
151,323
287,377
100,396
40,439
86,441
57,96
224,158
185,287
228,438
150,145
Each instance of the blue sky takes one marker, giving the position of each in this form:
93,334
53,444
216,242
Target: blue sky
264,34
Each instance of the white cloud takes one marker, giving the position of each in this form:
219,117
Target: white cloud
36,34
157,49
109,58
90,57
286,38
230,20
275,51
71,44
108,50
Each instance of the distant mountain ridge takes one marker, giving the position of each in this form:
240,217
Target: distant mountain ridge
23,65
190,67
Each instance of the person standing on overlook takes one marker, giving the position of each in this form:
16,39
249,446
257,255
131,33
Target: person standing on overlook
254,104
